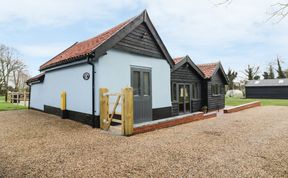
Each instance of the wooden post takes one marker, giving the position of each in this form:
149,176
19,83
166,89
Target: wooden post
63,100
9,96
122,112
64,113
128,113
104,106
17,99
24,98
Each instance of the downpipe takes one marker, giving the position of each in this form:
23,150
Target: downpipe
89,61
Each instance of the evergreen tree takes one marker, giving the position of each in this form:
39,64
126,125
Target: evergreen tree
256,77
251,72
265,75
286,73
280,72
271,72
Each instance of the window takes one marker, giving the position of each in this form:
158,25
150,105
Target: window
174,92
136,82
216,89
146,80
195,91
222,89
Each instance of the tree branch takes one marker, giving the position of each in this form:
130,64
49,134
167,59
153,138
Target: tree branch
279,11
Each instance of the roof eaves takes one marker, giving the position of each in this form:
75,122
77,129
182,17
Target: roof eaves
41,67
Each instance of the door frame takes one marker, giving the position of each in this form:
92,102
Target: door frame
190,97
142,69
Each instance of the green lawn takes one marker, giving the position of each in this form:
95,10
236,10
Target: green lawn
9,106
230,101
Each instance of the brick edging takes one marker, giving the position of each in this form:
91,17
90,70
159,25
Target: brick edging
242,107
210,115
173,122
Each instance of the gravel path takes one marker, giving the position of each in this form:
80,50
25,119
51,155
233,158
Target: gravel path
251,143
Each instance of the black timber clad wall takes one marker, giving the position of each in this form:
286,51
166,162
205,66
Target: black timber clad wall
187,75
216,102
140,41
196,105
175,108
73,115
160,113
267,92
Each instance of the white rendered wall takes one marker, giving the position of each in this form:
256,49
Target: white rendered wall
36,100
113,71
79,97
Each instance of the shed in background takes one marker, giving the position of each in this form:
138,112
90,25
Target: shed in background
268,89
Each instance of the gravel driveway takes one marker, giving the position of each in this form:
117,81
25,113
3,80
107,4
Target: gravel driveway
251,143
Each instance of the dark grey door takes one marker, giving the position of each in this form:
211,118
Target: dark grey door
141,83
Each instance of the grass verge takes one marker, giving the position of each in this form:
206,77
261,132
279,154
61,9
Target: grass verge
230,101
4,106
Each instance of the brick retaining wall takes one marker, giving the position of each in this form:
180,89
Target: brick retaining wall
210,115
242,107
164,123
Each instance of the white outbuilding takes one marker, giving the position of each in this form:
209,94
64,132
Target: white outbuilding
129,54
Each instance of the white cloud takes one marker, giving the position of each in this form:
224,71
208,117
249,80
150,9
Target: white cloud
47,50
59,12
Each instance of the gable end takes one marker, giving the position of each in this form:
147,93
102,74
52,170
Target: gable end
141,41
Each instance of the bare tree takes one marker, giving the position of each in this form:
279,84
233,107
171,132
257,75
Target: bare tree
2,80
9,65
278,11
17,74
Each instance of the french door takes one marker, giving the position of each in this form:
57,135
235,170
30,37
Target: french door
184,98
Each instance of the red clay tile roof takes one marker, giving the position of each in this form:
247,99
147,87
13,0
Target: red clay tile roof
178,59
38,77
83,48
208,69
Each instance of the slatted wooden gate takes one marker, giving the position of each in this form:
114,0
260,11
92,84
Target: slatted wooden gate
122,103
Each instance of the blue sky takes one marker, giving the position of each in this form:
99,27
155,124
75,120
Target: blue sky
235,34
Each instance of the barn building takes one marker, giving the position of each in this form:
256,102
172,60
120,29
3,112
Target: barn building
213,88
267,89
186,82
129,54
194,86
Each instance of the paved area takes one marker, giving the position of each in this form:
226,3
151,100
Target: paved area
251,143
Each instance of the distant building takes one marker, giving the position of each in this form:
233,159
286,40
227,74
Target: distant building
268,89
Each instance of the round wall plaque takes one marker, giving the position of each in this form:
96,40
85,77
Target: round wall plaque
86,76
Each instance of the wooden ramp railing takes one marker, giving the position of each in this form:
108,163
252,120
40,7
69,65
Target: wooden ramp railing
123,99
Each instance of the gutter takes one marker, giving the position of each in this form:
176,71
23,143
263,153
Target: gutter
89,61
